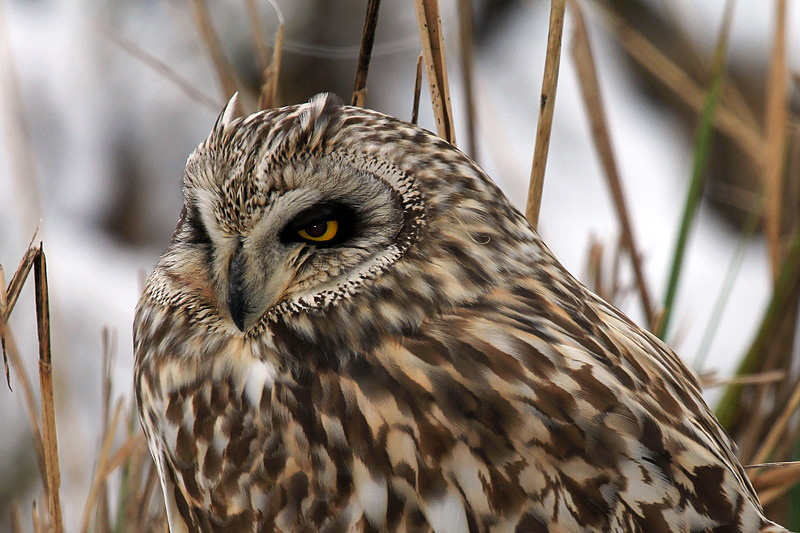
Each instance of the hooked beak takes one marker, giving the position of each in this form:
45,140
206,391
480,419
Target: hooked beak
237,302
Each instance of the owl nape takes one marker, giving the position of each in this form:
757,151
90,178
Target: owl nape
353,329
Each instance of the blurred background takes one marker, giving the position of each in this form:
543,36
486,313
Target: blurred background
101,102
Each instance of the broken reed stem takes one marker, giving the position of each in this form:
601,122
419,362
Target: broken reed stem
365,53
547,104
46,384
776,130
17,282
466,35
213,47
702,146
783,292
590,89
417,90
269,89
432,40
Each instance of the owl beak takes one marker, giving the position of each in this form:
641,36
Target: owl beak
237,305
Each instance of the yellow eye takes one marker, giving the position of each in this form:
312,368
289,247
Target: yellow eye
320,232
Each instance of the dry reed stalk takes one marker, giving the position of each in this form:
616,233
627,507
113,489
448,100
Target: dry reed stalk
547,103
590,90
96,488
417,91
46,389
158,66
365,53
37,526
30,405
748,138
776,130
466,36
16,518
225,73
432,40
257,33
761,378
269,88
3,301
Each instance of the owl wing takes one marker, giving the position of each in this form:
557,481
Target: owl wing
540,405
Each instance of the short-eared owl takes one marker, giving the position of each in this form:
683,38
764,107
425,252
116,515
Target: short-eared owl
353,330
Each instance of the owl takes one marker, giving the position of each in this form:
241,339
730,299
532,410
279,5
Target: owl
353,329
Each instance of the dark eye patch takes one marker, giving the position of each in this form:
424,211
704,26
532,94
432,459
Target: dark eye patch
197,232
319,215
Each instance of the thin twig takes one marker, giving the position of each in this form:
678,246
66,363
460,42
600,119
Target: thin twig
775,131
547,104
590,89
417,90
734,266
367,40
46,386
777,464
100,470
778,428
259,43
466,35
158,66
432,39
681,84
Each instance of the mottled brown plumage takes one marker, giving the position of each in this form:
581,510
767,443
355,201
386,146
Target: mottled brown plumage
431,367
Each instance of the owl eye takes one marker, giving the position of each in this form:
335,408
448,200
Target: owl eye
325,224
320,231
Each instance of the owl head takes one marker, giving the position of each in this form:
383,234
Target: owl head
325,225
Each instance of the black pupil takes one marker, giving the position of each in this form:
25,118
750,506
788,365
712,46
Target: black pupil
317,230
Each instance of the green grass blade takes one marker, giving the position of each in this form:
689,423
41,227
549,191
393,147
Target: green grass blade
702,146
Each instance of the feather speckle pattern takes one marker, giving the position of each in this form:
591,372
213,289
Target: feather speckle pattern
353,330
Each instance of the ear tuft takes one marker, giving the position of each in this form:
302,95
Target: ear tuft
318,114
229,114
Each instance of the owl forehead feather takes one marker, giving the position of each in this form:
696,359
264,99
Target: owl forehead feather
246,160
237,144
